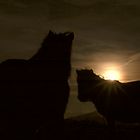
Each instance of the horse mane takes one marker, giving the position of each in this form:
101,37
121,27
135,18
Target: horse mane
88,74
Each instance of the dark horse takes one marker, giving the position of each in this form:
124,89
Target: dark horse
34,92
114,100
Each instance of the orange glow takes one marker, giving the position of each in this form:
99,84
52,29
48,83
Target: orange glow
111,71
112,75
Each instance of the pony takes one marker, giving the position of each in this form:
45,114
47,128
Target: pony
114,100
35,92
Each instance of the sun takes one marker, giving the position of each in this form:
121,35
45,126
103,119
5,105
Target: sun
112,75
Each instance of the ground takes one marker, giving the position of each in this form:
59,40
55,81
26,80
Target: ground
94,127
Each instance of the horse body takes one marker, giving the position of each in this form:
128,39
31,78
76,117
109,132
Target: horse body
114,100
35,92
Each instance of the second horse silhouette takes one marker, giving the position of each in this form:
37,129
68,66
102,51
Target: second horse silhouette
114,100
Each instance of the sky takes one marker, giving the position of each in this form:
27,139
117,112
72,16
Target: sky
107,34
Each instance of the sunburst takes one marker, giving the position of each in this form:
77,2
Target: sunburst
112,75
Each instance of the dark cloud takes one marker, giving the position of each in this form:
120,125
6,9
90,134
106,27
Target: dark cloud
109,27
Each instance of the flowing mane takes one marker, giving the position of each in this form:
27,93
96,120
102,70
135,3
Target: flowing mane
86,74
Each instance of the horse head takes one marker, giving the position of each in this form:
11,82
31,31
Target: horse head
55,47
87,80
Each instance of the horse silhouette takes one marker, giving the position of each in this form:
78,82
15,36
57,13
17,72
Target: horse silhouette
34,92
114,100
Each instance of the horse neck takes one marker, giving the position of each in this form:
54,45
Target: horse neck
43,59
40,55
45,55
94,88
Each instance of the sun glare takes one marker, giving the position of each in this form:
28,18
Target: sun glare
112,75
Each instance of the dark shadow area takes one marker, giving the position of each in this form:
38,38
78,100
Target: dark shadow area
116,101
34,92
92,126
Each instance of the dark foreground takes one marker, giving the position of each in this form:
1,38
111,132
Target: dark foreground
93,127
90,127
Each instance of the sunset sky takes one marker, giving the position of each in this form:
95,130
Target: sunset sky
107,34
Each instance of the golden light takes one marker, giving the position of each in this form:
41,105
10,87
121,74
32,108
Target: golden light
112,75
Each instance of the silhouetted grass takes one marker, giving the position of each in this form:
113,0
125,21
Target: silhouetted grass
92,129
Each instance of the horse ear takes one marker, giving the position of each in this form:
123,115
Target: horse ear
50,33
70,35
91,70
77,71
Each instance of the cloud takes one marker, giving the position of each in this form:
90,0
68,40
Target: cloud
59,9
132,59
81,2
98,29
109,2
13,3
